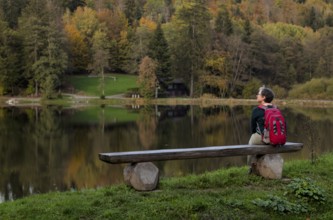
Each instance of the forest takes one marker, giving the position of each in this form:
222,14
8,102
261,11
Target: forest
224,48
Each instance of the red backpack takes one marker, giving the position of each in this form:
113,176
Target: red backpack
275,130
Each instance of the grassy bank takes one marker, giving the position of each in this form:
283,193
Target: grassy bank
305,192
114,84
85,90
205,102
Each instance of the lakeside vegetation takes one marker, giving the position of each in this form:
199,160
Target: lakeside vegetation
83,90
304,192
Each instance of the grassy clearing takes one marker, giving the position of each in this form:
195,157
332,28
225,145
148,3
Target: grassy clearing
114,84
222,194
88,88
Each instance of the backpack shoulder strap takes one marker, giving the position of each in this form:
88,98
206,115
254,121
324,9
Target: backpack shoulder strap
262,107
266,107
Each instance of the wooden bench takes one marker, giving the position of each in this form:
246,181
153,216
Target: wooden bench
138,166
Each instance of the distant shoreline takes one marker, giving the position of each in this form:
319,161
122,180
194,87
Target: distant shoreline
74,100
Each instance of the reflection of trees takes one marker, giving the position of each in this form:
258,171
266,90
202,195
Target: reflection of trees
147,124
42,149
316,114
29,153
48,151
10,139
83,168
223,125
305,126
216,126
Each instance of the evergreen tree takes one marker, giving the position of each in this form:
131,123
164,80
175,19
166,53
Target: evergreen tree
72,5
44,57
32,25
126,63
267,63
279,71
130,11
53,61
159,51
133,10
223,23
120,54
314,19
312,22
191,40
247,31
292,75
11,11
10,66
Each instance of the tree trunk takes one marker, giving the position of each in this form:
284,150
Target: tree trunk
36,88
103,82
191,82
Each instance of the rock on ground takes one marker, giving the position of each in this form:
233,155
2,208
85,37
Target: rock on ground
142,176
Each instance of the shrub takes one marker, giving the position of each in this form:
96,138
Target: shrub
30,89
279,92
329,89
320,88
251,88
278,204
306,189
302,196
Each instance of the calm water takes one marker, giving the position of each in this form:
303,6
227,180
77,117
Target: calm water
56,149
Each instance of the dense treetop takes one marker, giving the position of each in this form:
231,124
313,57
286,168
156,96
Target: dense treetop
227,48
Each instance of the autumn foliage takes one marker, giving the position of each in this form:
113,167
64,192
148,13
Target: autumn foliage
279,43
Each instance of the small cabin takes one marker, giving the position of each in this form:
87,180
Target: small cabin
174,88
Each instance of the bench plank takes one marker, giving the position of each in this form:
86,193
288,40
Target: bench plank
194,153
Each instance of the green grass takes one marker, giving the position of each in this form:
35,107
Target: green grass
91,85
223,194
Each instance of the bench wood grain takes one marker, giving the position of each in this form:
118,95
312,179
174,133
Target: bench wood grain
194,153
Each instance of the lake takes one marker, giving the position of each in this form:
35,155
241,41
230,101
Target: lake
53,148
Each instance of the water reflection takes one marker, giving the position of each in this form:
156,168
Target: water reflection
56,149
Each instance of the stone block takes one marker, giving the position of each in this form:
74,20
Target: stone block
270,166
142,176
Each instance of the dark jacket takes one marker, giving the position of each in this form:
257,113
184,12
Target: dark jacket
258,120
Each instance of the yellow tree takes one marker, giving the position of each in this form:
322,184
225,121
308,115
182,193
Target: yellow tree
217,75
147,79
78,49
86,21
80,28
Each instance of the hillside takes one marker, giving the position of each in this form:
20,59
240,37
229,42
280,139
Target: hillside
234,46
